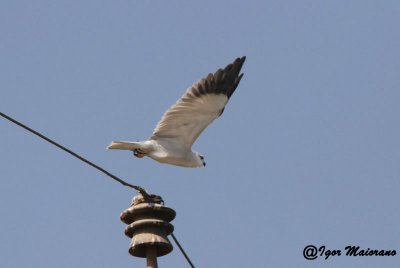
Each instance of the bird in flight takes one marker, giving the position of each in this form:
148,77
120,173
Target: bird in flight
180,126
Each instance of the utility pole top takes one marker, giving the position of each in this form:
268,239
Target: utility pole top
148,227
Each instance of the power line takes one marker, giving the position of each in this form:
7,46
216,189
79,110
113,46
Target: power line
182,250
136,187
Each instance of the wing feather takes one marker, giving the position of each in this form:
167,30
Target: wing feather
201,104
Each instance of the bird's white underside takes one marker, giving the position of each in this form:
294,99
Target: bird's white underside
178,129
185,121
180,126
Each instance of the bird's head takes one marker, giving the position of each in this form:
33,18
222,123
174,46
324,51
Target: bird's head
201,158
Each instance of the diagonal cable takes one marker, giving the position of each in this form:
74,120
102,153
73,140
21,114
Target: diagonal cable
182,250
137,188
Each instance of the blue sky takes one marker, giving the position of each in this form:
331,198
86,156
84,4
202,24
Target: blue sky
306,152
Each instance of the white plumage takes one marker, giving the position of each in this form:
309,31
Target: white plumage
180,126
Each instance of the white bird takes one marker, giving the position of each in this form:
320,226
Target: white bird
180,126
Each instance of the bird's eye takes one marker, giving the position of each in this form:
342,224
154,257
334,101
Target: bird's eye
201,157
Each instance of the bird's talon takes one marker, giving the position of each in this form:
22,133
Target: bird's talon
138,153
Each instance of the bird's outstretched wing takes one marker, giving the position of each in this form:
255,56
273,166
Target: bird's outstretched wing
203,102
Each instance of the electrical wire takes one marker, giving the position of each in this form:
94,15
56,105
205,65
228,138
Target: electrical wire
137,188
183,251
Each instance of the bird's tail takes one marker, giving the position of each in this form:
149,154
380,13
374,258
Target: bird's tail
124,145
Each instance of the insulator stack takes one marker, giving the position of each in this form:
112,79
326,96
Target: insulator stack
148,226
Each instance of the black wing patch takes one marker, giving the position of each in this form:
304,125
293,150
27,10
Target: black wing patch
223,81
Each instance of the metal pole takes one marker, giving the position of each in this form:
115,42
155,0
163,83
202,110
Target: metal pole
151,256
